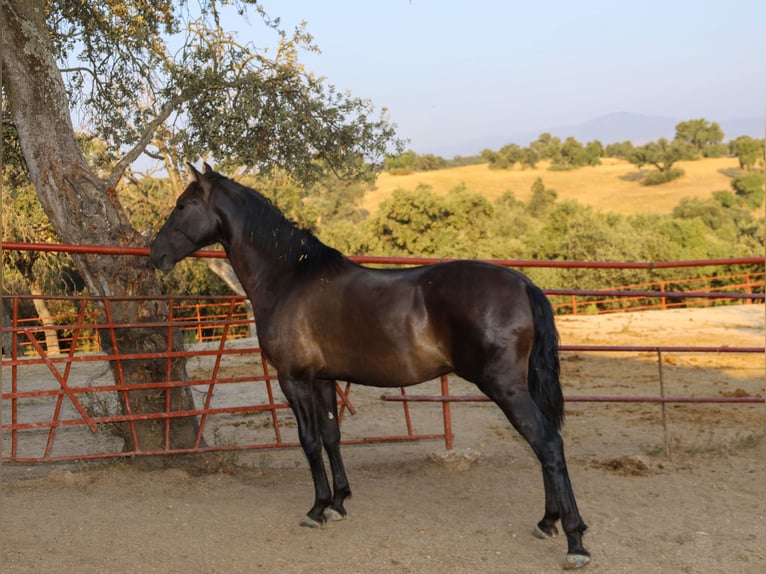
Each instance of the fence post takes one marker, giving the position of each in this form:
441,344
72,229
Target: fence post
199,322
664,407
446,413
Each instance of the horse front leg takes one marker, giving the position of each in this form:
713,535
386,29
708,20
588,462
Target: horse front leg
302,399
327,414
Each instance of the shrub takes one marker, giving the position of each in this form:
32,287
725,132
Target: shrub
749,187
660,177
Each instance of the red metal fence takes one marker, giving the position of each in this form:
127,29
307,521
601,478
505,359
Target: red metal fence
203,315
50,401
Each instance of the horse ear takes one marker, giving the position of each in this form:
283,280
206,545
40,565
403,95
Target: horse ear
194,171
202,181
208,169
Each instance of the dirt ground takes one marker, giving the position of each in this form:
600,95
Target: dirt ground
700,510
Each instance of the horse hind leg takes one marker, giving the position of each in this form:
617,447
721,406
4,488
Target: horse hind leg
329,427
513,398
546,528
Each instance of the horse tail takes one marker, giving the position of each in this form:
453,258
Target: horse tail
544,367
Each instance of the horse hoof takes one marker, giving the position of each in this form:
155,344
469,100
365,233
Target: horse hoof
310,523
333,515
576,561
543,535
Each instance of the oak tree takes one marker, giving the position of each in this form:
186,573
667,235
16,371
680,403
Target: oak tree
699,134
163,78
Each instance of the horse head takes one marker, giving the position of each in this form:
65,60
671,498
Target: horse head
191,225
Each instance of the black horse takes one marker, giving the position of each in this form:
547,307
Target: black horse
322,317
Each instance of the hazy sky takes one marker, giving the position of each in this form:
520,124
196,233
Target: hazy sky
452,72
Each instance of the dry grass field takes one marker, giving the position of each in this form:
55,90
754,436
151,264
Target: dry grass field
611,186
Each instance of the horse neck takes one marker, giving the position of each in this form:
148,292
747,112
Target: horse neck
265,258
259,278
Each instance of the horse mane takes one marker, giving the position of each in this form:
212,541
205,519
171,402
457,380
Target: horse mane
268,230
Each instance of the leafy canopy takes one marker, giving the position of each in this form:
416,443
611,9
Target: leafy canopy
152,75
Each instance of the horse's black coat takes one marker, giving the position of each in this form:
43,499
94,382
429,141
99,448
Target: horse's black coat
322,317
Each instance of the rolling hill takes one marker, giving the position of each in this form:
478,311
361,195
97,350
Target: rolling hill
611,186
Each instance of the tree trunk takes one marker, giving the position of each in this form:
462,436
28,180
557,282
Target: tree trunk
83,210
224,270
8,337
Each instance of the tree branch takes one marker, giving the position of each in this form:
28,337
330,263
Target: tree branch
119,169
78,69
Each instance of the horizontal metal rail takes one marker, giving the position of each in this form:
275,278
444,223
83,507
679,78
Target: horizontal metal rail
660,399
386,260
577,399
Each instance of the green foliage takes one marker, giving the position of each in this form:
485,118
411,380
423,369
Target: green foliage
422,223
347,236
749,151
547,147
212,95
699,134
749,187
505,158
621,150
462,224
25,221
147,201
712,212
661,154
509,228
316,207
571,154
330,200
192,277
574,232
716,150
460,160
509,155
529,157
406,222
688,236
408,162
660,177
542,199
726,198
694,139
594,151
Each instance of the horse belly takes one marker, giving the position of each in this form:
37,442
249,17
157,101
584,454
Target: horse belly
382,370
386,361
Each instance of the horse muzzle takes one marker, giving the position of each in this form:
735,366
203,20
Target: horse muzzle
159,260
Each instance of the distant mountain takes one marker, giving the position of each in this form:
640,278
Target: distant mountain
618,127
